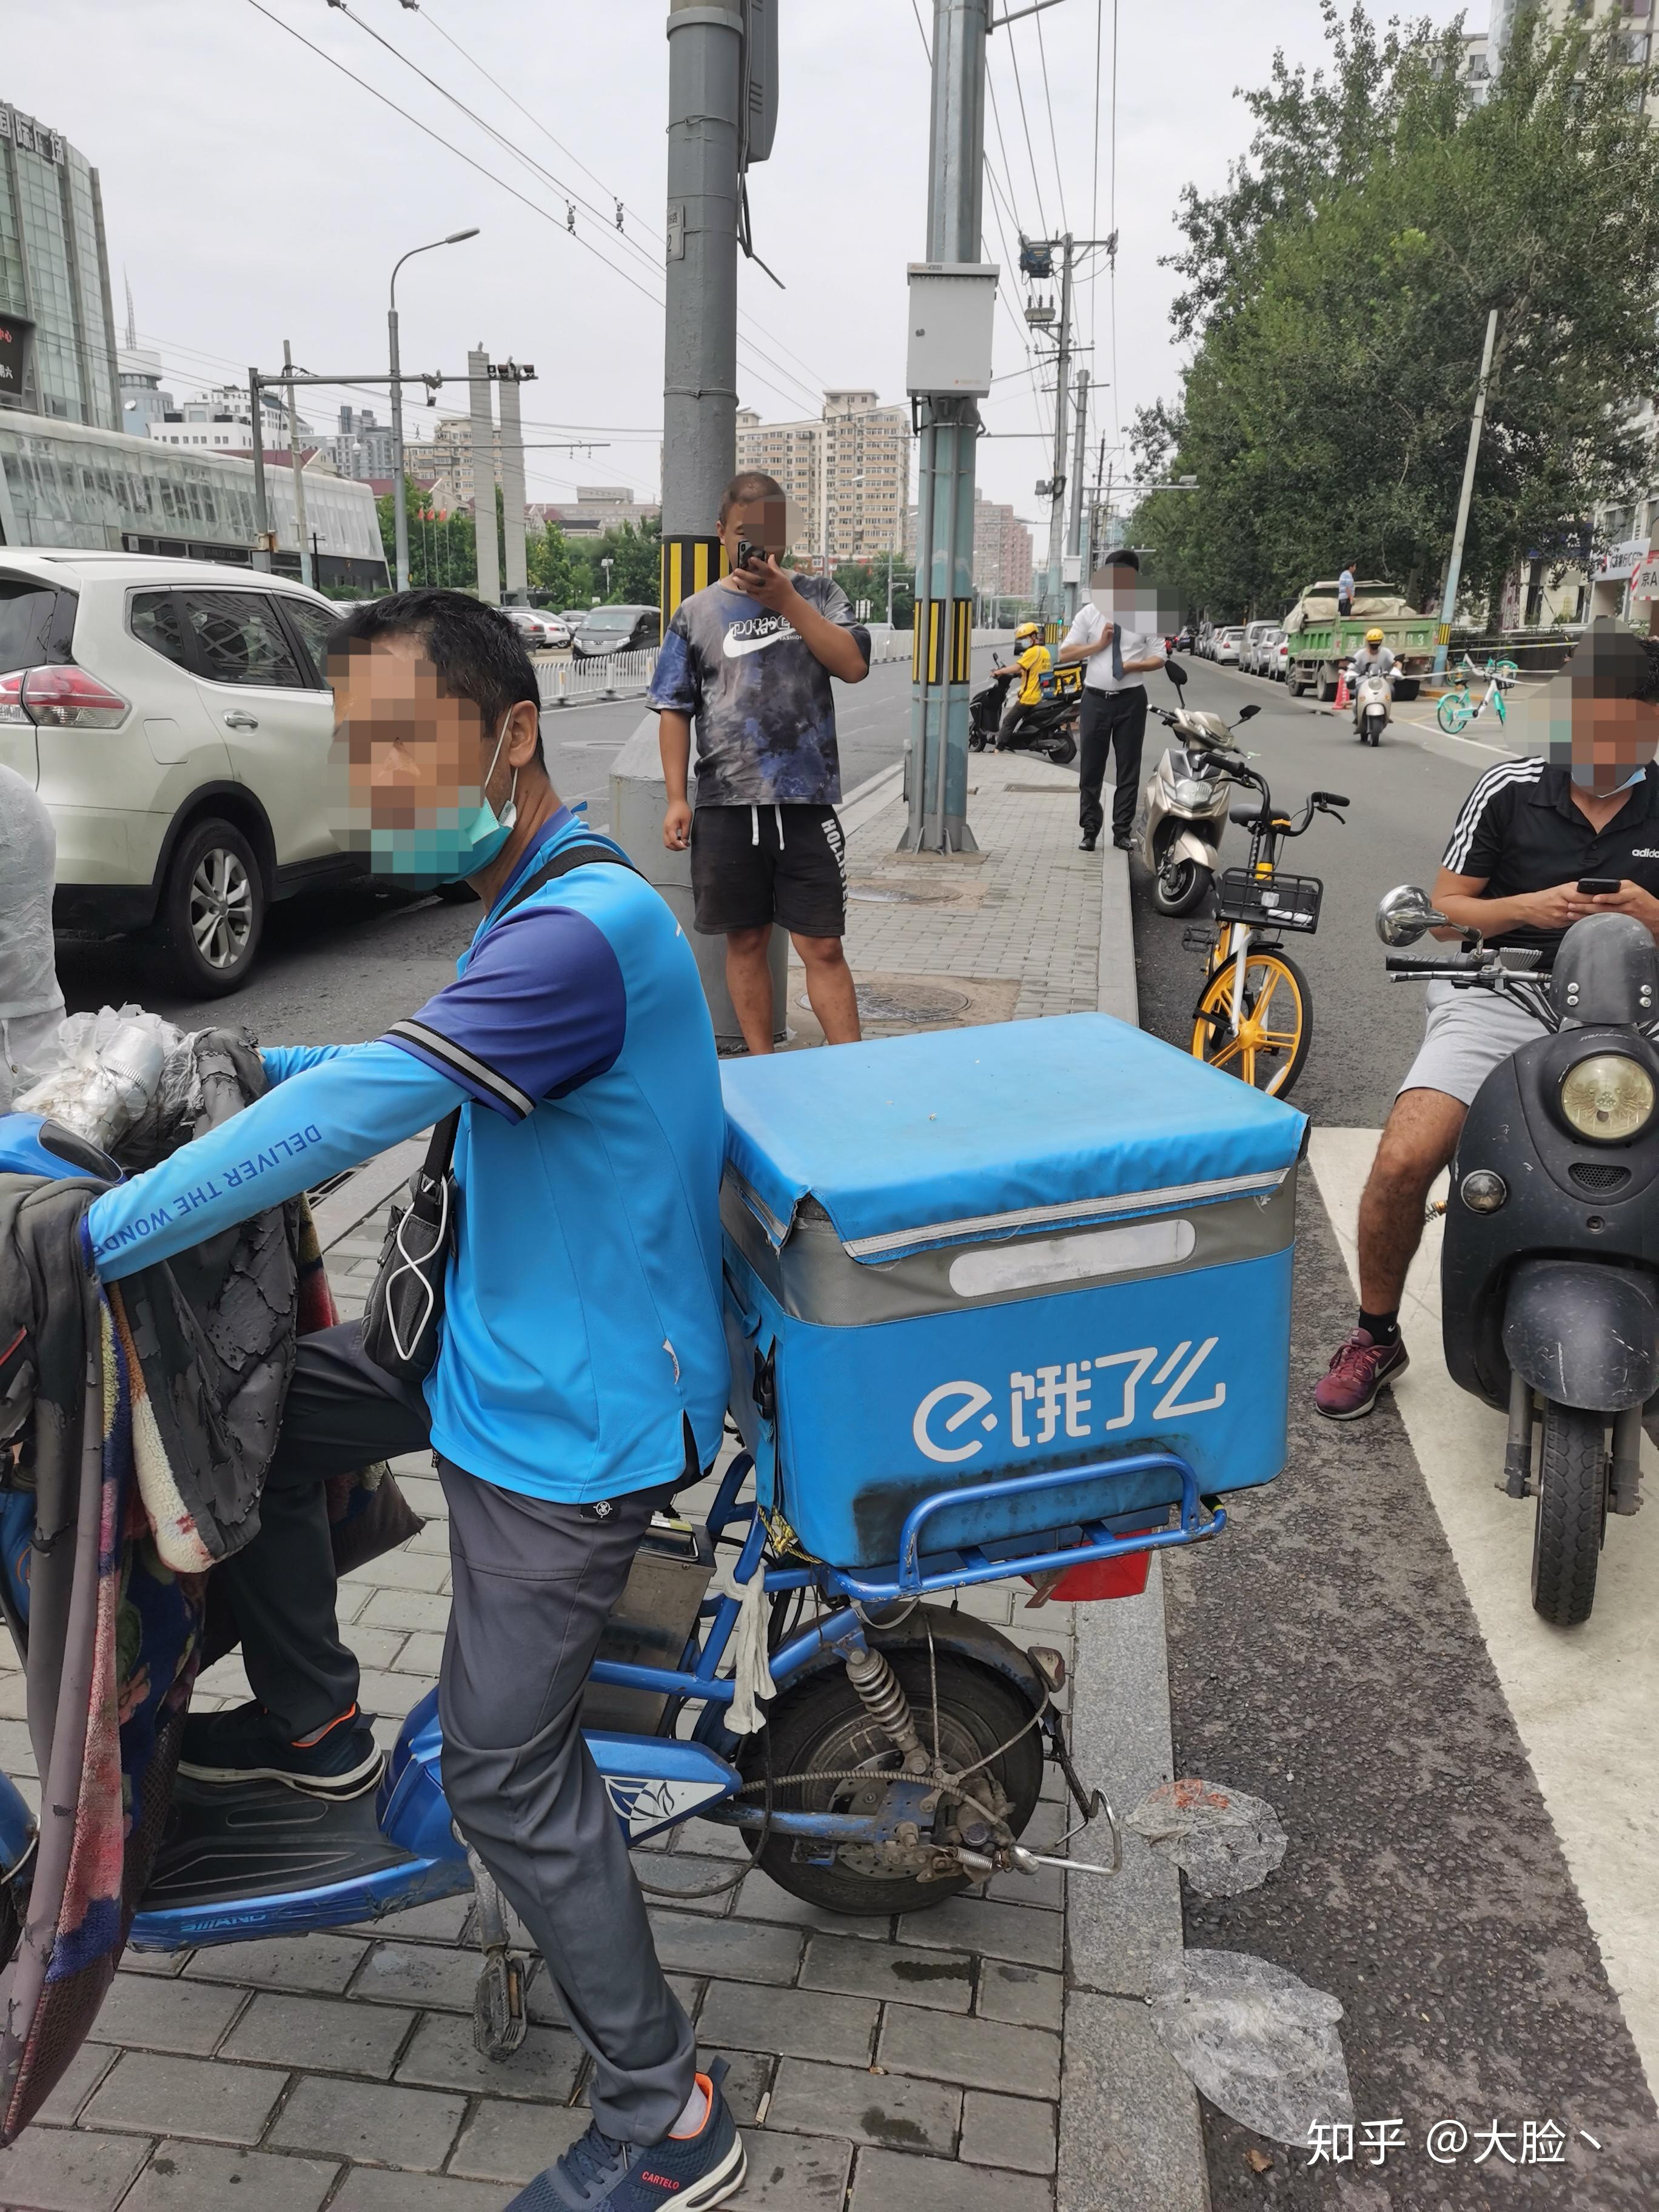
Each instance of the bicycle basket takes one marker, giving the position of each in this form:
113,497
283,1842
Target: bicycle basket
1277,902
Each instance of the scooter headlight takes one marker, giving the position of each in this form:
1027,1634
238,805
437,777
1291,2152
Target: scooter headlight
1190,792
1607,1098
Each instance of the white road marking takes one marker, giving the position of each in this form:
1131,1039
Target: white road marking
1582,1699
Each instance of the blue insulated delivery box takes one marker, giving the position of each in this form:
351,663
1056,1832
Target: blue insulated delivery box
981,1253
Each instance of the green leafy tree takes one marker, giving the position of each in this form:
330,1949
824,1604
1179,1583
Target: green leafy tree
1337,289
443,549
554,568
867,580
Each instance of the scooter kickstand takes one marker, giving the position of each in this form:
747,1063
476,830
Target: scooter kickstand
499,2016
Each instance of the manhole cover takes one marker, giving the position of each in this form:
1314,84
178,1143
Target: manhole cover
890,898
888,1002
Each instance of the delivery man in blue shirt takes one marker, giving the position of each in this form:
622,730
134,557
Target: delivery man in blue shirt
582,1373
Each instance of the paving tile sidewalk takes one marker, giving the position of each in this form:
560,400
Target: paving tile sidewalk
874,2063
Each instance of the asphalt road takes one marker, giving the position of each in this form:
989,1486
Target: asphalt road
341,965
1325,1654
1406,794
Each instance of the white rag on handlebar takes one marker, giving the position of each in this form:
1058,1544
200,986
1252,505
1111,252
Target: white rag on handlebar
752,1672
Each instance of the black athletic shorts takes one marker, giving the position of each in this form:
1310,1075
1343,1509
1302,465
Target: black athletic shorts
754,865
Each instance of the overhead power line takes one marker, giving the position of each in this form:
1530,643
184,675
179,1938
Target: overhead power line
1054,138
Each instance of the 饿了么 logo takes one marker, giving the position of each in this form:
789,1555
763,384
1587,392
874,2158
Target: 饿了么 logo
1078,1399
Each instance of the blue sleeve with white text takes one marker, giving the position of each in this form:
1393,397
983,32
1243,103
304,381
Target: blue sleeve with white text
330,1116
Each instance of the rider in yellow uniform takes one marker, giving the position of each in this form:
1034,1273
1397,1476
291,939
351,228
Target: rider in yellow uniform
1032,661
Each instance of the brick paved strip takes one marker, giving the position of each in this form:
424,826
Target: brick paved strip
512,2142
857,2105
883,1970
748,2078
793,2023
883,2182
54,2171
187,2017
367,2190
75,2085
981,2054
195,2097
183,2176
996,1931
411,2128
419,1974
327,2035
739,1950
444,2056
761,1898
1010,2131
323,1963
1020,1993
793,2173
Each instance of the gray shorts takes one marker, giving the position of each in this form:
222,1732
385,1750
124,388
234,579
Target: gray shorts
1465,1037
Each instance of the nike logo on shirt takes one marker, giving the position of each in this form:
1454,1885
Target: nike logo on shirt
741,639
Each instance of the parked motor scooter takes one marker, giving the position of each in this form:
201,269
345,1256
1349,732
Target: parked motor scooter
1049,729
1373,705
1184,802
1550,1268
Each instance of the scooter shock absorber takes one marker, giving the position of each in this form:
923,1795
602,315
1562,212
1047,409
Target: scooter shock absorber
883,1695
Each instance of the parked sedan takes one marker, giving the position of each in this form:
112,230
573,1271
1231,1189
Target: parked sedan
617,629
1259,639
540,631
1224,645
1280,660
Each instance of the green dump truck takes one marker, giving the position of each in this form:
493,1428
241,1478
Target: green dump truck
1322,643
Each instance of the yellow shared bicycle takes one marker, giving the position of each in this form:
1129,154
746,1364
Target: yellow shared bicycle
1255,1013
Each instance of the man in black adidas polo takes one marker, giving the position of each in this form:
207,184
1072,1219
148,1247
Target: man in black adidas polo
1528,834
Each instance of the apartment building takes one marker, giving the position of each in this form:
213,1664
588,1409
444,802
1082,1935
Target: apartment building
847,471
1002,549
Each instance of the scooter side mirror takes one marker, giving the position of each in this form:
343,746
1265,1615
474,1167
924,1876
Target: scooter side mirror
1175,672
1251,709
1406,914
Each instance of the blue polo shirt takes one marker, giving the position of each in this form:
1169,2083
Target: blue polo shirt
582,1326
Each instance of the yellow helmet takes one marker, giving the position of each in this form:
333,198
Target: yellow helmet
1373,637
1026,630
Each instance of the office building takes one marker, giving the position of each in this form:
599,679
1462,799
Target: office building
220,421
595,509
143,400
57,325
846,472
362,448
1002,549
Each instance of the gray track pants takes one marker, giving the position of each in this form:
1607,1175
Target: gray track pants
533,1583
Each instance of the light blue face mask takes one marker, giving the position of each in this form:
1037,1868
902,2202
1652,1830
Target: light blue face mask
1583,774
449,850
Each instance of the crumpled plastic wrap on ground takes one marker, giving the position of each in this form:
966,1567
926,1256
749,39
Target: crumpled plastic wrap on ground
121,1070
1261,2045
1223,1841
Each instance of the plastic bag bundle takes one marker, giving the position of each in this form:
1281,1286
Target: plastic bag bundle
109,1075
1223,1841
1261,2045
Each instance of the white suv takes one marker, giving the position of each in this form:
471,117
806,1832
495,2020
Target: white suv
173,716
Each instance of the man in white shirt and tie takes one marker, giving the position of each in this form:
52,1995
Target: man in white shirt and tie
1113,633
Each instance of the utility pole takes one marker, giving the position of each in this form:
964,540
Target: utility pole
706,87
1074,548
307,573
952,297
1053,594
508,378
483,477
1454,567
261,504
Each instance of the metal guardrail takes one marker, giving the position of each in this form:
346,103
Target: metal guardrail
610,676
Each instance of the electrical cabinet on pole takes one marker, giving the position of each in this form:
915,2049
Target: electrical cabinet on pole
952,300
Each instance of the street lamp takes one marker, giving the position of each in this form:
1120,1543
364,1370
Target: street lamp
399,503
607,564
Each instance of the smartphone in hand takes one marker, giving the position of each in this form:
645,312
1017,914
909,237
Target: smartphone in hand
1597,886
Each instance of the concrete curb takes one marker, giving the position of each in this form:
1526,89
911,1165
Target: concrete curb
1130,2133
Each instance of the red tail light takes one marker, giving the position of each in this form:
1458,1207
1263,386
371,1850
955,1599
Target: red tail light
59,698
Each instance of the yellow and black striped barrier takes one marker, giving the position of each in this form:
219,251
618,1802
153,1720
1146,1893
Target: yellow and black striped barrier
944,628
689,564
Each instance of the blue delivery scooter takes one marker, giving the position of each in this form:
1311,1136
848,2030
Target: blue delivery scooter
903,1754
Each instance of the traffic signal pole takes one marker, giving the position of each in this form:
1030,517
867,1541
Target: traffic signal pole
936,758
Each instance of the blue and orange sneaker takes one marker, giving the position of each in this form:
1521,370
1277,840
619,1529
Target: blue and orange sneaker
223,1750
691,2173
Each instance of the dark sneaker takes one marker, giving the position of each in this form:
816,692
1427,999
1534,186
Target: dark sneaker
245,1745
1359,1368
1085,844
691,2173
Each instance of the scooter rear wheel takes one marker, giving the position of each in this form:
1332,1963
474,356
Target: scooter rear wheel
824,1726
1572,1514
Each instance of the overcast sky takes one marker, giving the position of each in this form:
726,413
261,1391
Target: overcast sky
252,192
